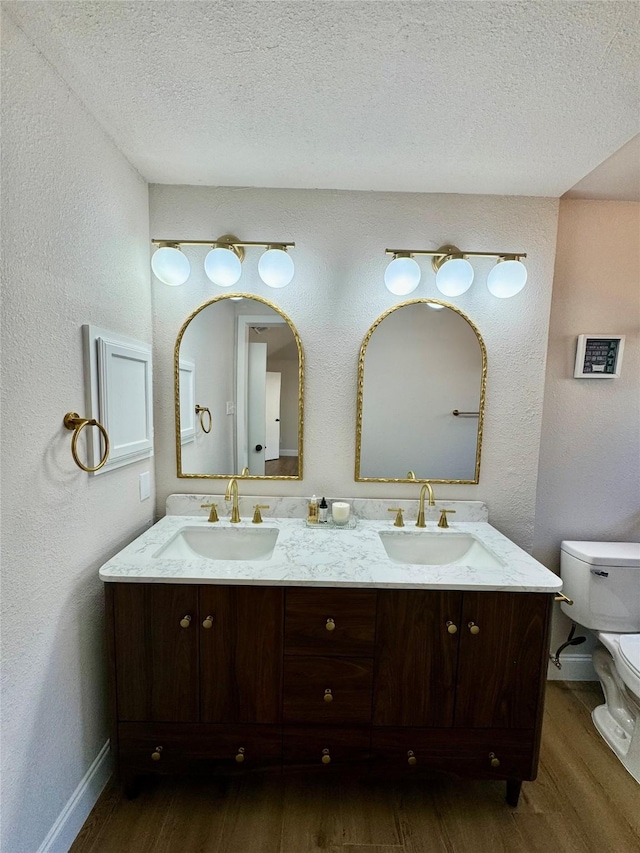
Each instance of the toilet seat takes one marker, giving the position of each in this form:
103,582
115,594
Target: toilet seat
625,649
630,650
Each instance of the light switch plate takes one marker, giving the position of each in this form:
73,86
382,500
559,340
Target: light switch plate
145,486
231,408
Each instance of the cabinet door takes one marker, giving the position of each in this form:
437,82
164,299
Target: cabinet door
416,657
503,666
241,654
157,657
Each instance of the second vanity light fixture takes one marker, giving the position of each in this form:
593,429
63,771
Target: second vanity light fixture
454,273
223,264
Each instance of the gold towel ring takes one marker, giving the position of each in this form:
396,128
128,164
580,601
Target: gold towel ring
73,421
200,411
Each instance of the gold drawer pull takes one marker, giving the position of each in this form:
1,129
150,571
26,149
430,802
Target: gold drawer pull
451,628
240,755
208,622
495,762
411,758
156,755
185,621
328,695
326,758
331,625
473,628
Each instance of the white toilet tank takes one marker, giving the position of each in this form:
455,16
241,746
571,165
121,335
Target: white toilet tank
603,579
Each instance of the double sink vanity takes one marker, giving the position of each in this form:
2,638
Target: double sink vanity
282,645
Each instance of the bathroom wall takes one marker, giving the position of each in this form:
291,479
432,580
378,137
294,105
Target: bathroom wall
75,250
338,292
589,473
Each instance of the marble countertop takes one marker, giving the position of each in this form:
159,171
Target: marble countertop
331,557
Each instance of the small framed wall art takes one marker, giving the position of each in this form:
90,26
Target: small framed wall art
598,356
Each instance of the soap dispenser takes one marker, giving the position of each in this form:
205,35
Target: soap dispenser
312,511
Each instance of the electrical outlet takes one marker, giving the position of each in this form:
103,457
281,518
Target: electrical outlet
231,408
145,486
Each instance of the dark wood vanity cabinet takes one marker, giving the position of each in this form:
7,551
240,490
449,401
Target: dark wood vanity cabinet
390,680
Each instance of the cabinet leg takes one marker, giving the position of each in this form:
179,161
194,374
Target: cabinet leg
513,791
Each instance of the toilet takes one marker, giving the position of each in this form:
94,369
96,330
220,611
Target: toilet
603,579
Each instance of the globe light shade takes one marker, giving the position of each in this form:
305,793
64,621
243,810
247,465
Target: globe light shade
454,277
170,266
402,276
507,278
223,267
276,268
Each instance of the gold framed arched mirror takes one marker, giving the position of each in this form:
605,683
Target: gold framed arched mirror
239,391
422,376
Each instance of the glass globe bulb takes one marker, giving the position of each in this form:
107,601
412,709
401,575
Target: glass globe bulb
276,268
402,276
454,277
507,278
170,266
223,267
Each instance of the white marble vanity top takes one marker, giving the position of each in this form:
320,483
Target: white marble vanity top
330,558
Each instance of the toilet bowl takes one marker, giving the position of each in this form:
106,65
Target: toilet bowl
603,579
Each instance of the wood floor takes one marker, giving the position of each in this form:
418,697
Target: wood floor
583,801
285,466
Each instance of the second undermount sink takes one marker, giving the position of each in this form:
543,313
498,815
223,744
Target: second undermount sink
437,549
220,543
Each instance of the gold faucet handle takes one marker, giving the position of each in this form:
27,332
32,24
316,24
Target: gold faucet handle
213,515
443,517
257,518
399,522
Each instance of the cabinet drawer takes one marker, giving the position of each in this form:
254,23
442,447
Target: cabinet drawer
184,744
330,622
308,746
463,751
327,690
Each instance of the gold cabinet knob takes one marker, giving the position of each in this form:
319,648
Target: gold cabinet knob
495,762
156,754
240,755
328,695
473,628
208,622
185,621
451,628
326,758
411,758
331,625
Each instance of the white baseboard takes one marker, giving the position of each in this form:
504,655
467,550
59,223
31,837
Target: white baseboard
70,820
574,668
288,452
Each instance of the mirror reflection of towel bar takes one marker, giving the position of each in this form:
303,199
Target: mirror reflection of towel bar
465,414
200,410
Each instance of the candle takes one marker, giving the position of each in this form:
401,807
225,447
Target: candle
340,512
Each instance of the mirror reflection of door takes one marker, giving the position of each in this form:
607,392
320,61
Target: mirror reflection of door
272,448
256,407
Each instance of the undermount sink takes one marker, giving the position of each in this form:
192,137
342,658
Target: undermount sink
221,543
437,549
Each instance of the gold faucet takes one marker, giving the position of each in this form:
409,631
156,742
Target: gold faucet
426,488
245,472
232,491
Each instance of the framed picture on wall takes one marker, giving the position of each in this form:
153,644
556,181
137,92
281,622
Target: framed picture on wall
598,356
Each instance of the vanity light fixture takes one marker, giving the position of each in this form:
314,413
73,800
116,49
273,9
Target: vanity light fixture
223,264
454,273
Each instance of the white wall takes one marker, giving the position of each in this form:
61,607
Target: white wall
289,390
75,250
589,474
335,296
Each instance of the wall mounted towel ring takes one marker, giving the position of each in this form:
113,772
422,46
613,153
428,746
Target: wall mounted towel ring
200,410
73,421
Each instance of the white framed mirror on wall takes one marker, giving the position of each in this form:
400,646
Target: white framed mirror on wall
421,391
239,378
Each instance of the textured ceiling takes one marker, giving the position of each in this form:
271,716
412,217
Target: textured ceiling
463,97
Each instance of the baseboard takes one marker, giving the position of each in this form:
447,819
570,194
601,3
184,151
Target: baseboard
70,820
574,668
288,452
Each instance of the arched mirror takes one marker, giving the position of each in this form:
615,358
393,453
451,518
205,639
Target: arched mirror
239,370
421,389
